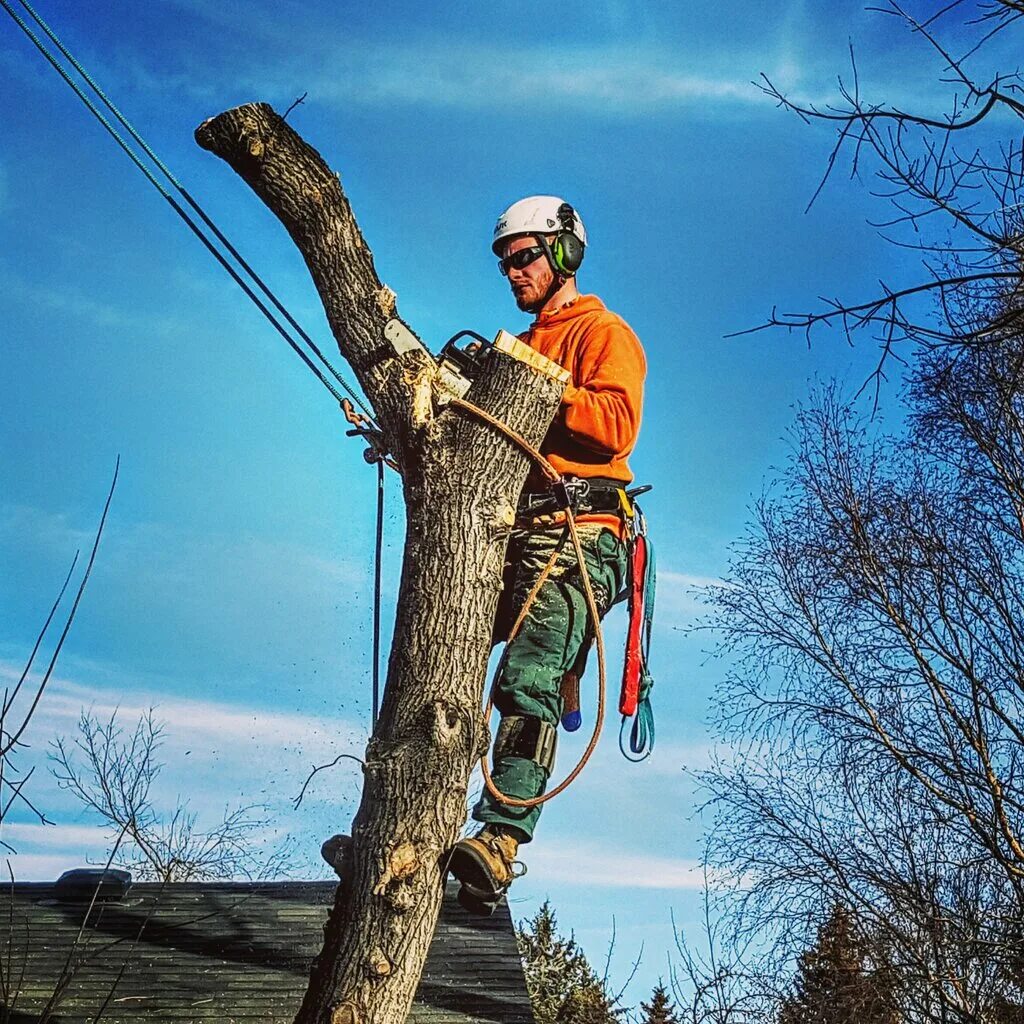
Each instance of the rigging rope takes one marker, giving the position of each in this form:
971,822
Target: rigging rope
223,261
182,213
378,549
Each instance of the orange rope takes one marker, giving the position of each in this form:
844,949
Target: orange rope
588,592
515,438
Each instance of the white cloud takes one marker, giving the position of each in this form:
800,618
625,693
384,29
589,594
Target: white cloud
49,530
607,79
227,593
467,73
42,867
231,738
337,65
44,852
682,596
471,73
631,77
194,723
617,79
52,837
205,721
596,866
214,754
63,298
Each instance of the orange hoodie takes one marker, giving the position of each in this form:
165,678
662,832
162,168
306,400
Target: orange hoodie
597,425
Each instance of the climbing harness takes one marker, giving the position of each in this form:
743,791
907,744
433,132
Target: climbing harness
560,489
587,496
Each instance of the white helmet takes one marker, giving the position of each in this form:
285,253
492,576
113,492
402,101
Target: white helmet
542,216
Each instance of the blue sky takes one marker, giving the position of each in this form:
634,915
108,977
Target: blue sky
232,587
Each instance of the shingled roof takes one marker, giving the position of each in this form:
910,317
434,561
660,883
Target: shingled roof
230,952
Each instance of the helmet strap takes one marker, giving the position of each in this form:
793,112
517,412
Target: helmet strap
560,276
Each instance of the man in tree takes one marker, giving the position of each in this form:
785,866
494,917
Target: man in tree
540,243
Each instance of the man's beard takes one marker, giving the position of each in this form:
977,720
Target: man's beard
538,304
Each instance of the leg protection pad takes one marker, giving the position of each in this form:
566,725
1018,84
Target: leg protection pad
526,736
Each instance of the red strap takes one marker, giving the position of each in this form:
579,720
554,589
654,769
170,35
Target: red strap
634,652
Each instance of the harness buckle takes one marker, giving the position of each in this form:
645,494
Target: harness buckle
570,493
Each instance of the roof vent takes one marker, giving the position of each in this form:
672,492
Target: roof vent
82,884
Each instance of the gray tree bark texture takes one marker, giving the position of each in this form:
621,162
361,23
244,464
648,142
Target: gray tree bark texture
461,480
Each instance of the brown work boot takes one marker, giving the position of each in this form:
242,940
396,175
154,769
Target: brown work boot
486,865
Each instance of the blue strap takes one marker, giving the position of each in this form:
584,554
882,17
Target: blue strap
641,740
641,733
650,587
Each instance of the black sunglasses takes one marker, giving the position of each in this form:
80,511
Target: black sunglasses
520,258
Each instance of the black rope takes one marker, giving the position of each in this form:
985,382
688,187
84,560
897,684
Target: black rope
222,260
196,230
377,559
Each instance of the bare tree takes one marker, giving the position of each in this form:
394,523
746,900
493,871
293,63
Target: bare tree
723,977
112,773
875,607
954,188
875,616
17,709
461,475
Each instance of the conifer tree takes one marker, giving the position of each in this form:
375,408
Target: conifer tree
660,1009
836,981
563,987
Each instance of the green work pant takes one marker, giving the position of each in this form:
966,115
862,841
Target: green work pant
546,647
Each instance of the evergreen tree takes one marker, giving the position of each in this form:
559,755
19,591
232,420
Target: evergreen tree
836,981
660,1009
563,987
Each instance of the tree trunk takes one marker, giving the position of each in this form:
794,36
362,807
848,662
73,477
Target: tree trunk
461,479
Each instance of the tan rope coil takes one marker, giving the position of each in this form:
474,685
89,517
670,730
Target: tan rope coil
588,592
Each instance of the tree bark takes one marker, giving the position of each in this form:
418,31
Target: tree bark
461,480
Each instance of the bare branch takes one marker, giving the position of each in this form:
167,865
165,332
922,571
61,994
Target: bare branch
974,196
319,768
115,779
